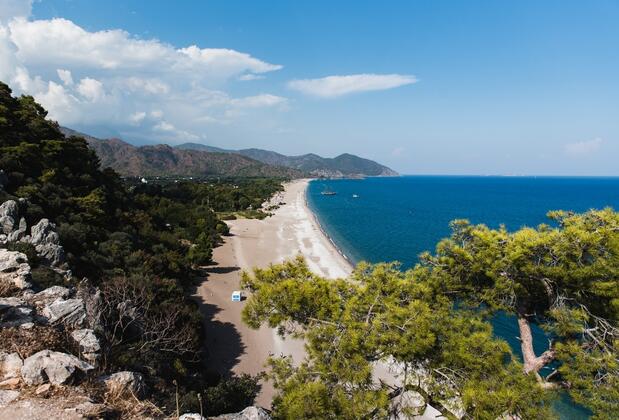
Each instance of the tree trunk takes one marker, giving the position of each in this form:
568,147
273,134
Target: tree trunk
532,363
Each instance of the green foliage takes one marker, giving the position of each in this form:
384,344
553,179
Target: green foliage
432,323
137,243
382,315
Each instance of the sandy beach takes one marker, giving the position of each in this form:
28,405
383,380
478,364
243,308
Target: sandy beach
292,230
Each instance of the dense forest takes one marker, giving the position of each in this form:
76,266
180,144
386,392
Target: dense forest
138,241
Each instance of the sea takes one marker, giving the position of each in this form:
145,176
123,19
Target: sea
398,218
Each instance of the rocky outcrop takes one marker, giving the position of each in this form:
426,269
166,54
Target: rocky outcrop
192,416
50,295
43,235
71,407
53,367
46,241
70,312
14,269
88,344
9,211
250,413
14,312
10,366
125,382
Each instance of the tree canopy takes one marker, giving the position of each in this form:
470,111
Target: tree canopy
385,335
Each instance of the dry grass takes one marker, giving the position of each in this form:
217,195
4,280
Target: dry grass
122,402
128,406
7,289
27,342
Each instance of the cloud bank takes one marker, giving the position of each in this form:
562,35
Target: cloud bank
335,86
141,87
583,148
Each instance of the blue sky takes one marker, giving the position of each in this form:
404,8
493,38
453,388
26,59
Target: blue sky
487,87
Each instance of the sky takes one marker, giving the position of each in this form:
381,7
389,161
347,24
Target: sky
425,87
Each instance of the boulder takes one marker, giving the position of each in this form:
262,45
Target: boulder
14,268
16,235
88,343
43,389
12,383
7,397
192,416
250,413
9,211
49,295
14,312
47,242
7,225
10,365
121,382
70,312
53,367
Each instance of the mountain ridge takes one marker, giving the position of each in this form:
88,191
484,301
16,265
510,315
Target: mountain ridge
162,159
341,166
194,159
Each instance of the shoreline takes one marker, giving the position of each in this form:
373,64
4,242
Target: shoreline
293,229
316,221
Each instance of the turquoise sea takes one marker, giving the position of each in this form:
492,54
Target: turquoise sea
395,219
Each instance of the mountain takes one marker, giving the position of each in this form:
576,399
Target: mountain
202,148
345,165
161,159
196,159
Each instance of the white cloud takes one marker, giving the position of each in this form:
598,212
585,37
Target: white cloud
583,148
91,89
334,86
258,101
137,117
164,126
10,9
65,76
250,76
114,79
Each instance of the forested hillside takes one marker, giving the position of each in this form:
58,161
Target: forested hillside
344,165
140,246
161,159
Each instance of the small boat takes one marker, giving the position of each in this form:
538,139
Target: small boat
355,196
328,193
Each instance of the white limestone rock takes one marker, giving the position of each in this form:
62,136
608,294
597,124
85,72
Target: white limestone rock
53,367
10,366
14,312
68,311
125,381
88,343
14,269
7,397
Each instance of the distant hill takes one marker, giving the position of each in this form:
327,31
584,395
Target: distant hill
161,159
196,159
345,165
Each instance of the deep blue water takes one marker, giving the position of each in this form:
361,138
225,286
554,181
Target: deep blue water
395,219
